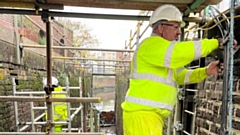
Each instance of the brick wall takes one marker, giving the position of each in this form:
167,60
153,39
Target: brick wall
28,78
66,35
209,101
59,33
209,97
6,20
6,28
209,107
31,31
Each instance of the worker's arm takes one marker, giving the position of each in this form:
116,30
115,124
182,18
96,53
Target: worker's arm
185,52
185,76
160,52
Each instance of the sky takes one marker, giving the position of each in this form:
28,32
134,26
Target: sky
112,34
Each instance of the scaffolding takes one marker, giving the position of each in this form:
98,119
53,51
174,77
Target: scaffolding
17,97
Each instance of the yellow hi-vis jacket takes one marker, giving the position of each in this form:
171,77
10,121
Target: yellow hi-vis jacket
59,108
157,68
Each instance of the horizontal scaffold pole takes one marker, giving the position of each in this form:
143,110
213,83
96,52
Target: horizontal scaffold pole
76,58
74,15
39,133
51,99
89,15
103,74
75,48
89,64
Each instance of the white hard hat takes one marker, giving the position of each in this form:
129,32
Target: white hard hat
166,12
54,82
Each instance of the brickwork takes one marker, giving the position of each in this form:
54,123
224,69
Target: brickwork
62,33
7,34
25,82
28,78
209,101
31,31
210,97
6,20
30,71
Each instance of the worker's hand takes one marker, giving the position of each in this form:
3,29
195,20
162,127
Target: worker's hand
235,43
221,45
214,69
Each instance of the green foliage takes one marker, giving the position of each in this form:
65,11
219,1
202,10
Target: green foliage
37,84
27,24
42,41
62,79
25,64
19,21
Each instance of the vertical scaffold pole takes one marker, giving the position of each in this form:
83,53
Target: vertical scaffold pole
32,115
15,104
81,112
227,77
231,36
46,18
68,106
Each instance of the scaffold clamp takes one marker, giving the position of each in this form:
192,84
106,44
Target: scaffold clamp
48,126
48,90
46,17
178,126
181,94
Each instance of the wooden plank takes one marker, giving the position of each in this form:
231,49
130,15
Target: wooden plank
166,1
126,4
117,4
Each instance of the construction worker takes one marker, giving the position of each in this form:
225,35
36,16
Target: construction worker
157,68
60,108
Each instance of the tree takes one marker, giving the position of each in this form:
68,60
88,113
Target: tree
82,36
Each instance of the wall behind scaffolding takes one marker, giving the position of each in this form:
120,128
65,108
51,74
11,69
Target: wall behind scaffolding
28,74
209,96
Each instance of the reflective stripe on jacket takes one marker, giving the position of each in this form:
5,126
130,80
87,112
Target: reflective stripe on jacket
158,67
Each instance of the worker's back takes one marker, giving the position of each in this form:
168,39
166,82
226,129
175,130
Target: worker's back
59,108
